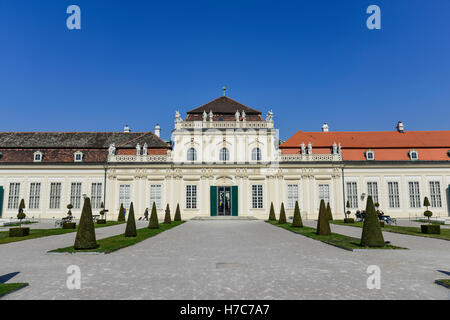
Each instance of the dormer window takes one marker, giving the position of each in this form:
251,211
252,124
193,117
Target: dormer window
78,156
37,156
370,155
414,155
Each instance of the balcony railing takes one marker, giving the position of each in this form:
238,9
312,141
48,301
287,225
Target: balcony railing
136,158
310,157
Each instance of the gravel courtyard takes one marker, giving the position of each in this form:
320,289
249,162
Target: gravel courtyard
229,259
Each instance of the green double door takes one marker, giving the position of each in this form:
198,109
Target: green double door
224,201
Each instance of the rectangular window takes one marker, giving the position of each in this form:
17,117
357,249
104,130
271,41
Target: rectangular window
124,195
257,196
155,195
414,194
35,195
352,194
14,193
55,195
292,195
324,193
435,194
96,195
372,190
75,195
394,196
191,197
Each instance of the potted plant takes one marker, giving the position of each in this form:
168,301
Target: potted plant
20,232
347,214
102,213
67,222
429,228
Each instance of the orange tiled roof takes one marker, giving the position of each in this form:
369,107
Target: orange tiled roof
387,145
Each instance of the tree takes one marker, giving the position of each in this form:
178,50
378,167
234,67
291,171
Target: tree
272,213
121,213
102,209
153,223
167,218
130,230
69,207
282,219
21,215
427,213
330,215
297,222
323,225
348,212
371,234
177,214
85,238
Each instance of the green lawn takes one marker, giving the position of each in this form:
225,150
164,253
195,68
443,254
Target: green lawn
444,282
6,288
335,239
431,221
38,233
413,231
114,243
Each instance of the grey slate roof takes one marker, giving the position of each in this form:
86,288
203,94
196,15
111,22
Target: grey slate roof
79,139
224,105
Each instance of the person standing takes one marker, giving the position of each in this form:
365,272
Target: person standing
146,214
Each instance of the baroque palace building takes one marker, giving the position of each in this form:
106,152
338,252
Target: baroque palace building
224,159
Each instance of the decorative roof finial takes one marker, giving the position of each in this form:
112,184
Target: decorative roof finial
224,91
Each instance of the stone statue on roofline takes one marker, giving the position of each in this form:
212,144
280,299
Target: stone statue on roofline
236,115
269,116
178,116
138,149
144,149
210,116
205,116
303,148
334,148
309,147
112,149
243,115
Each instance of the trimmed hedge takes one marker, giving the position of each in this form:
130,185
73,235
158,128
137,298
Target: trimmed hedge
69,225
272,213
297,221
121,216
85,238
282,219
382,224
177,213
167,218
323,224
153,223
431,228
19,232
371,234
130,229
101,221
349,220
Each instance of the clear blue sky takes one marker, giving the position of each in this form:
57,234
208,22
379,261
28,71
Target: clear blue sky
136,62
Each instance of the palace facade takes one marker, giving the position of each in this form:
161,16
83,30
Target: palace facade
225,159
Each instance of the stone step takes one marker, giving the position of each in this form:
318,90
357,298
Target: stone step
225,218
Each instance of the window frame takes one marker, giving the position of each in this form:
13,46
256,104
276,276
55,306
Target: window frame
13,195
414,194
34,199
191,154
191,196
292,195
55,195
224,154
156,195
393,194
352,194
257,196
256,154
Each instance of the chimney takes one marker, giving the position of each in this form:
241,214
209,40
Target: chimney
158,130
400,127
126,129
325,127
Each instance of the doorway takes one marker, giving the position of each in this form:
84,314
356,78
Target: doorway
224,201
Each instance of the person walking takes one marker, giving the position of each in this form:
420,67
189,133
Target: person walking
146,214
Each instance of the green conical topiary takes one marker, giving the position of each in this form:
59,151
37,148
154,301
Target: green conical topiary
153,223
177,214
130,230
121,214
329,214
297,222
272,213
85,238
323,224
167,218
371,233
282,218
21,215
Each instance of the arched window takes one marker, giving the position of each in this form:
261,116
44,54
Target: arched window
256,154
192,154
224,154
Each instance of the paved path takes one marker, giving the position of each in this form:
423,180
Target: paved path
229,260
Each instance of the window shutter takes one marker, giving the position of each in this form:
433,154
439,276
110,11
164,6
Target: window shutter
213,202
234,201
